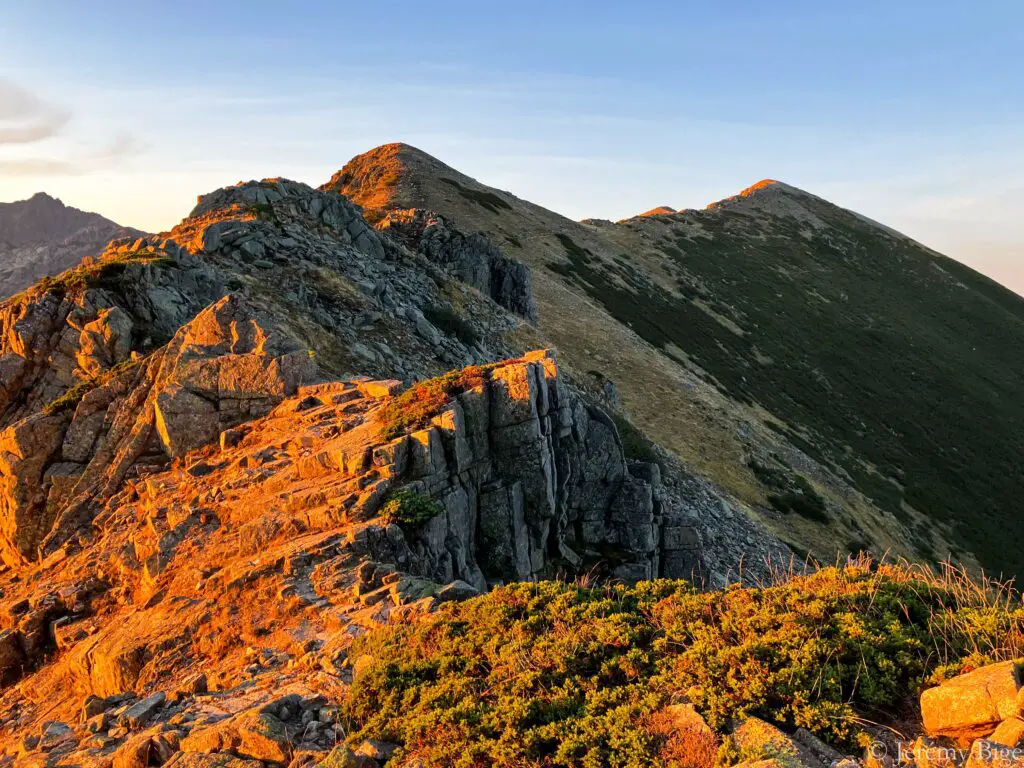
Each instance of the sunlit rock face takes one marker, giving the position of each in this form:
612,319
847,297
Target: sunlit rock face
210,444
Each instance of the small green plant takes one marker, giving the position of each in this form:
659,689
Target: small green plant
414,408
452,324
73,396
408,508
263,211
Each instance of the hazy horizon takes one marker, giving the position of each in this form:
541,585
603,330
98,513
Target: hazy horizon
901,114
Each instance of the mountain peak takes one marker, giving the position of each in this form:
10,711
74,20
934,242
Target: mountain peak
392,176
43,197
43,236
661,210
761,192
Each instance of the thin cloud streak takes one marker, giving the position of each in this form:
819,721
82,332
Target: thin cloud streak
25,118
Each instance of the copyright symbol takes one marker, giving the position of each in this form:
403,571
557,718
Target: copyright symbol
877,750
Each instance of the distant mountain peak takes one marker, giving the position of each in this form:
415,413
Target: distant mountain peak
43,236
661,210
392,176
760,192
43,197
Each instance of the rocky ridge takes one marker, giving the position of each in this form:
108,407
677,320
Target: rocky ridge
42,236
197,468
719,328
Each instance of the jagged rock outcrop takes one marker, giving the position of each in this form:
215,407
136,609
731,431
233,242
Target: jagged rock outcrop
532,481
472,258
133,298
262,200
276,531
203,438
227,365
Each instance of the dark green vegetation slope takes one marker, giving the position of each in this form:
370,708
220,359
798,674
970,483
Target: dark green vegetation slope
896,366
565,675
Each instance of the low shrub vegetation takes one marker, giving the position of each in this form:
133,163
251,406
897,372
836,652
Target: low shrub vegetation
792,492
486,200
73,396
96,274
558,674
408,508
414,408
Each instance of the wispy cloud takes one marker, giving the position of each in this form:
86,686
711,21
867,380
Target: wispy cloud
123,146
25,118
40,167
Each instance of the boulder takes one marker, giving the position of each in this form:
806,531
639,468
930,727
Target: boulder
972,704
989,754
1010,732
134,753
184,420
26,449
257,734
12,657
142,710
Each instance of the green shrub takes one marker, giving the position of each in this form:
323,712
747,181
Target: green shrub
97,274
414,408
795,493
555,674
574,251
452,324
634,444
71,398
407,508
811,506
263,211
487,200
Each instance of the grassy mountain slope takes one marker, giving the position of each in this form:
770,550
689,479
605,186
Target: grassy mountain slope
805,358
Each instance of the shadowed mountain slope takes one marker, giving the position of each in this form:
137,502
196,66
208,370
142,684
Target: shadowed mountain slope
806,358
42,236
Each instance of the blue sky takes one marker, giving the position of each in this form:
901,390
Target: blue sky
909,112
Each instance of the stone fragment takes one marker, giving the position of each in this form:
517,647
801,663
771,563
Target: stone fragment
12,657
1010,732
972,704
143,710
134,753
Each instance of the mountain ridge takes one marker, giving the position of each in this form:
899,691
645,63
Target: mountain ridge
683,261
276,482
42,236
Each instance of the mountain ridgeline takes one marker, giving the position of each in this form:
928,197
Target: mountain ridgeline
406,471
42,236
888,372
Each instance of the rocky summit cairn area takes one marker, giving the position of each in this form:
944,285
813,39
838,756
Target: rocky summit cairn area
295,484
